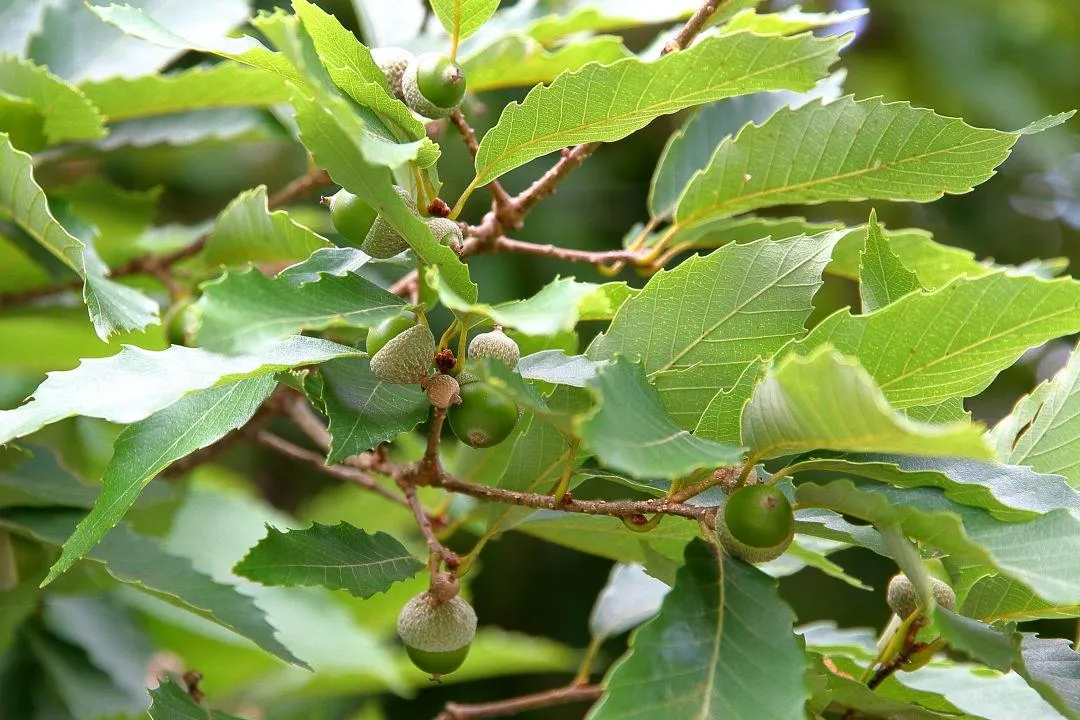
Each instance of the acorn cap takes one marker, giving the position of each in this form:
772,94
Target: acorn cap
443,391
736,548
903,600
406,358
383,240
495,344
393,61
442,627
447,232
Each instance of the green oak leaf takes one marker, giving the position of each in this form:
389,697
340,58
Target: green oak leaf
571,110
825,401
1009,492
144,449
227,84
558,307
113,307
870,149
1043,552
1052,667
883,277
362,410
690,660
66,113
996,598
135,383
930,347
246,231
993,647
737,304
245,310
338,557
630,431
516,60
462,18
1043,431
139,561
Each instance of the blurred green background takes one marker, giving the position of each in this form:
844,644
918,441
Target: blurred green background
995,63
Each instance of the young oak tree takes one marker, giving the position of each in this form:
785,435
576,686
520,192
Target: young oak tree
709,439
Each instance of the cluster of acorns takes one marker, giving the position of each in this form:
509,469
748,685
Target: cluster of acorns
402,351
431,85
437,626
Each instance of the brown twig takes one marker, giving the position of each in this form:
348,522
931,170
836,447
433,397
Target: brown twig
693,26
296,408
612,508
546,183
407,286
595,257
501,202
423,521
513,706
347,473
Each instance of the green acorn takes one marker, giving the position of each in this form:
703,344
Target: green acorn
387,330
484,417
393,61
495,344
447,232
383,241
181,321
352,216
756,523
903,600
437,635
406,358
433,85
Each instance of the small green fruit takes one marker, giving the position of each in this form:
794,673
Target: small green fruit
903,600
759,515
443,391
433,85
485,416
406,358
393,61
495,344
447,232
382,240
181,322
437,635
352,217
387,330
756,524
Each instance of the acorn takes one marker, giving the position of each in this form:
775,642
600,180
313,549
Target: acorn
447,232
383,240
352,216
484,417
437,635
903,600
495,344
393,61
387,330
443,391
406,358
433,85
756,523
